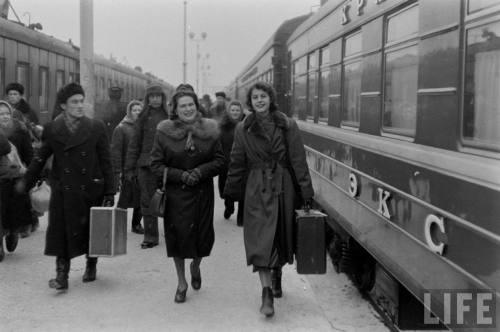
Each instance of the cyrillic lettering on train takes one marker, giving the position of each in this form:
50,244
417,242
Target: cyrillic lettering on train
353,185
345,16
383,196
429,221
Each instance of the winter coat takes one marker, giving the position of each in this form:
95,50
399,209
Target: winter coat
81,175
17,210
189,211
227,127
139,150
129,193
269,191
24,113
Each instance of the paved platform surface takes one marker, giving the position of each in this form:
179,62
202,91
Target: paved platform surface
135,292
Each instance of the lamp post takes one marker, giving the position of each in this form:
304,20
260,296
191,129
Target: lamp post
184,64
197,39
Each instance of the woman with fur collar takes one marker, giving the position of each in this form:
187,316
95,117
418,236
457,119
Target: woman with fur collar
189,147
268,170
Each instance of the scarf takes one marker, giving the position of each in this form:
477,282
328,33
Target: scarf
71,123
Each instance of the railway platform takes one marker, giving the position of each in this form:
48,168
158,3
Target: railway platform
135,292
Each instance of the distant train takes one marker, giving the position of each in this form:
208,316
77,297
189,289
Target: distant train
43,64
398,103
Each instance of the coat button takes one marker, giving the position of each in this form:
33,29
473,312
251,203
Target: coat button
67,171
84,171
66,187
83,153
83,187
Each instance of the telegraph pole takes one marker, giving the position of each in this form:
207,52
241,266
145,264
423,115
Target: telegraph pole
184,64
87,53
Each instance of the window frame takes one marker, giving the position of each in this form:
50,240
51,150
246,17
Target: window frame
43,108
345,61
27,85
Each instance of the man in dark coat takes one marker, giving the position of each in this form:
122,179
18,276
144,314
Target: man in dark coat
81,177
112,111
138,163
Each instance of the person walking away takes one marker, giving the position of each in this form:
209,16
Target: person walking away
188,148
119,145
268,149
16,210
81,177
23,112
228,124
112,111
138,160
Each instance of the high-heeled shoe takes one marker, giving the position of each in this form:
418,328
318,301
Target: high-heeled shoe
180,296
195,280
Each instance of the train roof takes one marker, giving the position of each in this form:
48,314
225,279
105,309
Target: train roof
280,36
320,14
17,31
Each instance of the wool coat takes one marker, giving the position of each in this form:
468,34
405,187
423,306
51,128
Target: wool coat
81,175
189,212
130,192
260,172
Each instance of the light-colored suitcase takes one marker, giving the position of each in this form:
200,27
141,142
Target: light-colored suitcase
108,232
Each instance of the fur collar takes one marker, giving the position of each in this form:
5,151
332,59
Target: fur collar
202,128
251,124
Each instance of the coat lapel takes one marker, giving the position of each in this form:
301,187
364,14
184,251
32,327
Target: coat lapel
80,136
60,131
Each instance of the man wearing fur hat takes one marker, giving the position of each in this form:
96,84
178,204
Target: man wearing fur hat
138,162
81,177
112,111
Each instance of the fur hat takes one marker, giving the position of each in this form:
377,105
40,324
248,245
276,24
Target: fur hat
15,86
67,91
154,89
220,94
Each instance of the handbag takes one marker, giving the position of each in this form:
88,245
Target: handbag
158,201
40,197
129,194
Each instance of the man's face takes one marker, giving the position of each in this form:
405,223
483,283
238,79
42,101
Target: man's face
154,100
220,99
74,106
13,97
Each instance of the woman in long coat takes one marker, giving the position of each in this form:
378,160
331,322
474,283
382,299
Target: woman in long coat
230,119
81,177
189,147
16,212
130,191
268,169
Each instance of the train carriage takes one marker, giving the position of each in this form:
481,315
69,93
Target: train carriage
398,103
43,64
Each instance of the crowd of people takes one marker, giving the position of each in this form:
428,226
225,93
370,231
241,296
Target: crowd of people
182,144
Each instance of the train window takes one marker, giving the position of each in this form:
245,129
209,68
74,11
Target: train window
403,24
352,44
312,95
300,97
481,116
71,77
59,79
312,61
475,5
43,97
400,91
300,66
324,95
351,94
23,77
325,55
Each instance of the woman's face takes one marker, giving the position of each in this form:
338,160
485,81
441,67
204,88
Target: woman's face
135,111
5,115
186,109
260,101
235,112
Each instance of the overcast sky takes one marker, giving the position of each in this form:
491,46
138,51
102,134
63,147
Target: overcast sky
149,33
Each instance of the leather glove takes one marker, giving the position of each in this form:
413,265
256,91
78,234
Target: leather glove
185,177
109,200
307,204
194,177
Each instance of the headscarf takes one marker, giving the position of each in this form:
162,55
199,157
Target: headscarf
9,127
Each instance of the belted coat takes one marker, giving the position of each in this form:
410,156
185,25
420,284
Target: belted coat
189,212
261,172
81,175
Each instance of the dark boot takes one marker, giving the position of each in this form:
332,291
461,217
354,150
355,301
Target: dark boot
267,308
11,241
90,269
276,282
62,269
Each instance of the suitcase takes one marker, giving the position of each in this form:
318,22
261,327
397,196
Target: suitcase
108,232
310,254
